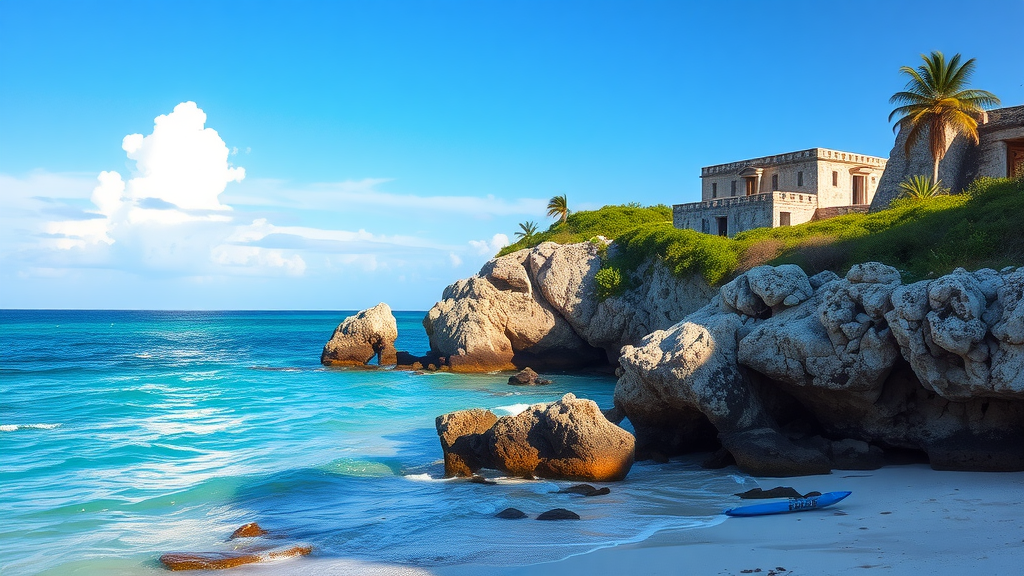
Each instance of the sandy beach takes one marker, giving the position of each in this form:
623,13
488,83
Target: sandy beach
899,520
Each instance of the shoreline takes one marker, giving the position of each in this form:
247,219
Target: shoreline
902,519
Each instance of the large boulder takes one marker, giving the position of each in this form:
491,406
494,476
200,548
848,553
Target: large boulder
963,333
840,340
865,361
568,439
462,443
497,321
371,332
539,307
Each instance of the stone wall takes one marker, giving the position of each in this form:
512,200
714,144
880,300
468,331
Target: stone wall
745,212
834,211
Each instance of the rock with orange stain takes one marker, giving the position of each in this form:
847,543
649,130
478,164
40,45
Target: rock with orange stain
568,439
249,530
220,560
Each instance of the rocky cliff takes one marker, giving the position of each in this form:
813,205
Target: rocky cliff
797,375
539,307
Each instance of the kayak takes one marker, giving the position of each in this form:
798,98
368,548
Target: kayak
790,505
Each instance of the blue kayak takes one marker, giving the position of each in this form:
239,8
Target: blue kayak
791,505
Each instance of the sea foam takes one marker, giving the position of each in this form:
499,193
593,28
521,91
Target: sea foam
16,427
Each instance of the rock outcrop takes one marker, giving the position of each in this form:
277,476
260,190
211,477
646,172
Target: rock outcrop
527,377
568,439
539,307
358,339
797,375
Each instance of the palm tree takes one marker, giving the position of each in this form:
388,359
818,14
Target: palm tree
528,230
936,99
558,206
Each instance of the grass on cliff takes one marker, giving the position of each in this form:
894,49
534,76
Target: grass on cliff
610,222
922,238
982,227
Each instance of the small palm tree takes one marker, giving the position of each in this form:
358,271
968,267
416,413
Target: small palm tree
527,230
936,98
558,206
920,187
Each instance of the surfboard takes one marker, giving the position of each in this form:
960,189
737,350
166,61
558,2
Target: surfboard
790,505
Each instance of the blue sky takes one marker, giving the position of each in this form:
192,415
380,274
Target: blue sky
377,151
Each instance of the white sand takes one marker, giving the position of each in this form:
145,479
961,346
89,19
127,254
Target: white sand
899,520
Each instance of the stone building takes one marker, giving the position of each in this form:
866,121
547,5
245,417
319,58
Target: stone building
999,153
780,190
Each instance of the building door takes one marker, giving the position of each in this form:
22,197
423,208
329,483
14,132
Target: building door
859,197
751,186
1014,159
723,226
784,218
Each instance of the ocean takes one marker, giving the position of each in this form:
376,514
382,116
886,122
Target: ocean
128,434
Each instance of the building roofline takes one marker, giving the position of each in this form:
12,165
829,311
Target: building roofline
809,154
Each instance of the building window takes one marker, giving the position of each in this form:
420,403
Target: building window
835,178
733,191
775,181
714,189
799,178
784,218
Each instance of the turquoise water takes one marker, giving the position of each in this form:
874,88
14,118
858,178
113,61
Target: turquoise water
124,435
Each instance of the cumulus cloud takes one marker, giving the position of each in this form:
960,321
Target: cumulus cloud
180,170
489,247
454,259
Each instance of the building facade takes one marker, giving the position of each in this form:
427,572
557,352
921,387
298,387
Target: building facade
780,190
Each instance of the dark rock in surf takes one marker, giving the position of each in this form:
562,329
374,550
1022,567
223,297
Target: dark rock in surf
559,514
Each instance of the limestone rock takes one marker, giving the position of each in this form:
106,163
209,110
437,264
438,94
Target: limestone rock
838,340
510,514
527,377
497,321
461,442
568,439
359,338
962,333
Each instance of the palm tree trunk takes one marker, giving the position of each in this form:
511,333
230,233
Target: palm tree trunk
935,170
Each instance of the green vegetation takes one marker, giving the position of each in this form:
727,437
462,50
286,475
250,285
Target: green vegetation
922,238
559,206
610,222
918,187
937,99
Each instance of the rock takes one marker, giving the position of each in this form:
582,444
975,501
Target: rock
852,454
774,284
567,439
765,452
249,530
838,340
527,377
585,490
359,338
462,442
559,514
718,460
221,560
963,333
477,479
497,321
777,492
510,514
822,278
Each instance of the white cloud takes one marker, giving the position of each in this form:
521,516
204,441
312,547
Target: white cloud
454,259
364,193
254,257
490,247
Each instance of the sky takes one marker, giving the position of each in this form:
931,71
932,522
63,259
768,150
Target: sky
333,155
